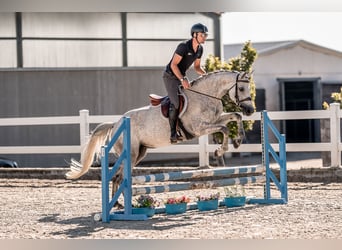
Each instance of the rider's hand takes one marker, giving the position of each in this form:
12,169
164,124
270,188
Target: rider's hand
185,84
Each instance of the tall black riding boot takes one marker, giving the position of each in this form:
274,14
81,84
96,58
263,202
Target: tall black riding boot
173,116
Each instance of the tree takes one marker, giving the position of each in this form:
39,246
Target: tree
244,63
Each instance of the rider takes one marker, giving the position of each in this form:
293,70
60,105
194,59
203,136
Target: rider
187,53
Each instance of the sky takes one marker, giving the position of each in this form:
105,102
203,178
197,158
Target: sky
321,28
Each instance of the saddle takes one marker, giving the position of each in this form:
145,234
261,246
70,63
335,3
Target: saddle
164,102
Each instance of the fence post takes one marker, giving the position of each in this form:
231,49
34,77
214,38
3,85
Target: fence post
84,126
203,151
335,134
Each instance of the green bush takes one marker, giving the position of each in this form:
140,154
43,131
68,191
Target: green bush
244,63
336,97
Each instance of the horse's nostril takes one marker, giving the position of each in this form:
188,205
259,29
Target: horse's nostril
250,111
247,110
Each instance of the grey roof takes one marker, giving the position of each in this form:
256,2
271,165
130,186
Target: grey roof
264,48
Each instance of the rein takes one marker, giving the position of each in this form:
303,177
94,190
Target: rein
200,93
236,91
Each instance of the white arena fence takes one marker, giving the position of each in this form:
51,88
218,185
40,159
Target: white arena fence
203,148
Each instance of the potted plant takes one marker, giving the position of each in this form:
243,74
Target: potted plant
145,204
176,205
235,196
206,203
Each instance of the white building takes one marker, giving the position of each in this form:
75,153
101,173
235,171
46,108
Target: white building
294,75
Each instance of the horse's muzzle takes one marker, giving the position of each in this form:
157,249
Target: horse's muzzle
247,109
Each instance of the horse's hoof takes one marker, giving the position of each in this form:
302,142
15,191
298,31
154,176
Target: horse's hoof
118,205
236,143
220,162
218,152
204,167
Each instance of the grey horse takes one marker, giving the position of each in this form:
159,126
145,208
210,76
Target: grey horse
202,114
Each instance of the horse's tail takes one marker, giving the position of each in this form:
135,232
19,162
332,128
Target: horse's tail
98,138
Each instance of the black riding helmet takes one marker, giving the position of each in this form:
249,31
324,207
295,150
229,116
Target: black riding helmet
198,27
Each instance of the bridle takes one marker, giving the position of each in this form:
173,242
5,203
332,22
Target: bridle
238,101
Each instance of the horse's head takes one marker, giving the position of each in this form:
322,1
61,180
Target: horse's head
240,93
216,84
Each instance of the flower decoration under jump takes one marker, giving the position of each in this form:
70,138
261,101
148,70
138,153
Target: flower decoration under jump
208,198
182,199
145,201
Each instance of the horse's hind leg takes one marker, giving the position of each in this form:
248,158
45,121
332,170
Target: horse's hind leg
219,152
220,160
118,177
116,181
241,134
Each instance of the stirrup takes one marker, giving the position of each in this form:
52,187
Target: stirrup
179,136
174,140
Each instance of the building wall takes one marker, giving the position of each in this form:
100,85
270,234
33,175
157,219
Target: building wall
8,58
96,39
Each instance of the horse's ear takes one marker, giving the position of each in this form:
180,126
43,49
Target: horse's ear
247,74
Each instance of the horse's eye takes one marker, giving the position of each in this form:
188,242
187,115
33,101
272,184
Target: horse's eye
241,89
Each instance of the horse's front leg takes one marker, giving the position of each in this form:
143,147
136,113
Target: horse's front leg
214,128
221,126
219,152
118,177
225,118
